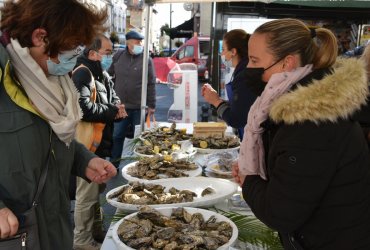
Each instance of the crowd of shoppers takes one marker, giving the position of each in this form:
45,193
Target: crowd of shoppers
39,111
304,159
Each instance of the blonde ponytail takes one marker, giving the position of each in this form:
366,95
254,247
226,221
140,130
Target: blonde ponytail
291,36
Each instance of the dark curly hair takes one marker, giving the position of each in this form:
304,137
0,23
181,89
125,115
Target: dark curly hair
68,23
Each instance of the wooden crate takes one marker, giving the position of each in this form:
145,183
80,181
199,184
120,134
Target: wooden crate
207,129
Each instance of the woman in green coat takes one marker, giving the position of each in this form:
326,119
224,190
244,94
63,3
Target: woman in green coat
39,110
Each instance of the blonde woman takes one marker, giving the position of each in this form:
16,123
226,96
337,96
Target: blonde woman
303,163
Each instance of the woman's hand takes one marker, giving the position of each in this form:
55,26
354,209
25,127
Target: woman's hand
99,170
210,95
8,223
237,176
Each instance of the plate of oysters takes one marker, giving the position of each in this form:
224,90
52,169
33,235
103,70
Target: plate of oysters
181,192
174,228
221,163
215,144
165,133
160,167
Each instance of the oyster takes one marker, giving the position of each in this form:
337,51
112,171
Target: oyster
145,228
191,239
160,243
147,194
140,242
207,191
166,233
216,142
128,230
171,246
156,167
211,243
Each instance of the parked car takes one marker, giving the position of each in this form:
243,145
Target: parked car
195,50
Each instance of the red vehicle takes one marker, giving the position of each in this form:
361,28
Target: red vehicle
195,50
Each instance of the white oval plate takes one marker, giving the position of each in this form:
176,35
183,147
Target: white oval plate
191,173
167,212
183,155
223,190
211,151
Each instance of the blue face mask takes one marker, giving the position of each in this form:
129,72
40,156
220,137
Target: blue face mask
138,49
106,61
67,61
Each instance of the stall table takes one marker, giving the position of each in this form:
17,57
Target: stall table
109,244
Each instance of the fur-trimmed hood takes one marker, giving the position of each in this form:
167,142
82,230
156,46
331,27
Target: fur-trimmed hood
335,96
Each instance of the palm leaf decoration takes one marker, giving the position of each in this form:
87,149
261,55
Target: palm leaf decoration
128,158
252,230
135,141
117,216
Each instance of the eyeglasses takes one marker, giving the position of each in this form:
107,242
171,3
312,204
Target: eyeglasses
108,53
72,54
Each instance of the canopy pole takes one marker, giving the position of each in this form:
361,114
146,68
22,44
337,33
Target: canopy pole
144,87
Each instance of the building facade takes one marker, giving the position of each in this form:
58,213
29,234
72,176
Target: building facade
116,22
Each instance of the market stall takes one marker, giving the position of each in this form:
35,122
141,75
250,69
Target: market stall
223,196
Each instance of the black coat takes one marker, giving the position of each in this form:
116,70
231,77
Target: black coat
104,110
25,141
363,117
317,195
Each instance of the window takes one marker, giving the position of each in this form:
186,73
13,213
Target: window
204,48
189,51
181,54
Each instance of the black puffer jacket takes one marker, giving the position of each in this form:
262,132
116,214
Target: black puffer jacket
104,110
317,195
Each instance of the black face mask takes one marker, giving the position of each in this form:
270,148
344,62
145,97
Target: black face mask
254,76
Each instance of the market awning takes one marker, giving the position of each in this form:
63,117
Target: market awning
183,30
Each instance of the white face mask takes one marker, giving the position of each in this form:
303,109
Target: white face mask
227,63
